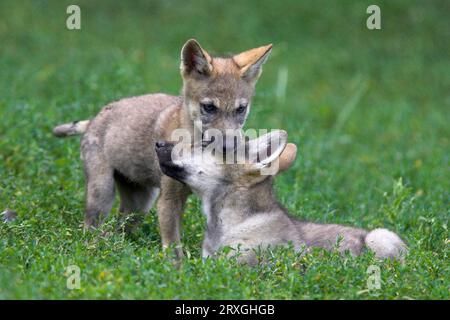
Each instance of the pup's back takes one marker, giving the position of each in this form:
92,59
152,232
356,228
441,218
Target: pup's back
125,132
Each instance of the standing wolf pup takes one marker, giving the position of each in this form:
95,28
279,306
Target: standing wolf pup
118,144
242,211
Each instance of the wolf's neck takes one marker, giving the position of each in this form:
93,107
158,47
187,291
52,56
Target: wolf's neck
230,205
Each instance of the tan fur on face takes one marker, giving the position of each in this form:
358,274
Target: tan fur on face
225,66
225,81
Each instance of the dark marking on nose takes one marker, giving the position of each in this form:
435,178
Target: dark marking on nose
160,144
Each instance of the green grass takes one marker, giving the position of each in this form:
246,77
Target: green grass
368,109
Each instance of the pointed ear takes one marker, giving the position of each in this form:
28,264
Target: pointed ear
287,157
267,148
251,61
195,60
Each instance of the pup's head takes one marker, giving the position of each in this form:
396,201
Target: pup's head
218,91
204,170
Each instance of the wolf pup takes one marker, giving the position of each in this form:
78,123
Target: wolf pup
118,144
242,211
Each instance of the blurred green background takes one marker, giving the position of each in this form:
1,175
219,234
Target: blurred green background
369,110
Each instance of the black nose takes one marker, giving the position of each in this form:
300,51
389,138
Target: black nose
160,144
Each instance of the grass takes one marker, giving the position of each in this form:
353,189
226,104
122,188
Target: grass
368,109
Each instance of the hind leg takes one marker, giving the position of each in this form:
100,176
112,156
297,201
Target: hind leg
99,196
99,183
135,200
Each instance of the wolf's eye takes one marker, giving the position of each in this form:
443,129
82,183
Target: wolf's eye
208,107
241,108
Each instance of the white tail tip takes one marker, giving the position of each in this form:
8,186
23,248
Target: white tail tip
386,244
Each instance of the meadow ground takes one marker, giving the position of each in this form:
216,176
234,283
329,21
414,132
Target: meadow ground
369,111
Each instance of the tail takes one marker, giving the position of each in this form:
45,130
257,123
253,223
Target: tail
386,244
71,129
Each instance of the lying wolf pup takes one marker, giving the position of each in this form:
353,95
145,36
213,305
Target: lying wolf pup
241,208
118,144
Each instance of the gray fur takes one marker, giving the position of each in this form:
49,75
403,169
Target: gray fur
118,144
118,148
242,210
71,129
252,218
